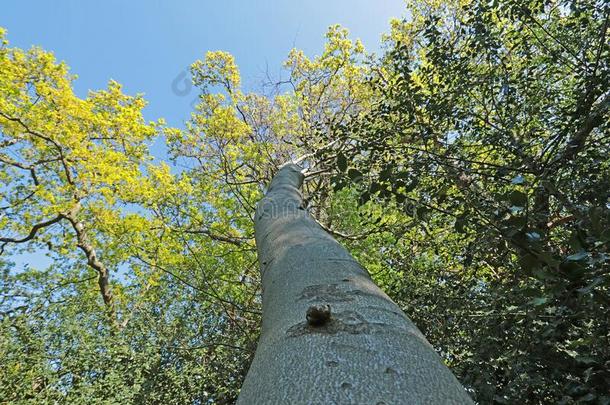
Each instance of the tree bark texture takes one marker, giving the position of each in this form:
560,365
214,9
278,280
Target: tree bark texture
329,334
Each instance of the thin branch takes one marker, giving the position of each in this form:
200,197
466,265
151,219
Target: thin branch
46,138
214,236
33,231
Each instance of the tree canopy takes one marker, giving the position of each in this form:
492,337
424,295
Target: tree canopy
467,167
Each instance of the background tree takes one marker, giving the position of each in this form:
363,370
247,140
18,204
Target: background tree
113,318
492,133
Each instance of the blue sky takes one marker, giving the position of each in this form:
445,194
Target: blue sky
146,44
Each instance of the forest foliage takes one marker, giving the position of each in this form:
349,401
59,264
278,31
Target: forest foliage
467,167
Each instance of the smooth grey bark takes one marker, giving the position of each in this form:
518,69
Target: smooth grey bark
367,352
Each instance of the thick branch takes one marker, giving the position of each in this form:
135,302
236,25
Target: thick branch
577,142
84,244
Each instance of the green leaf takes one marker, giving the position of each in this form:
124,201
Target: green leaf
517,198
576,257
355,175
364,198
421,212
341,162
586,289
538,301
411,185
529,262
541,274
533,236
572,269
460,224
385,174
548,258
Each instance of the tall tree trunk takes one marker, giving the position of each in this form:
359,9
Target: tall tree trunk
365,351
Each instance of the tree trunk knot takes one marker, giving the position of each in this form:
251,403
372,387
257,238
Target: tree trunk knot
318,315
